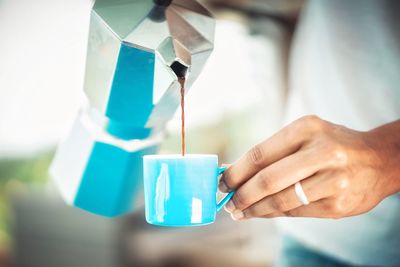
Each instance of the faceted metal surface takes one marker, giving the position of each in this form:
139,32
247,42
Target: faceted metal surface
134,42
122,16
102,54
97,172
132,91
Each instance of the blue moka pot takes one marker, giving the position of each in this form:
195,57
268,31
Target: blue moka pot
136,51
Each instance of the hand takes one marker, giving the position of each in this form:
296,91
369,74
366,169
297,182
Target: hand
343,172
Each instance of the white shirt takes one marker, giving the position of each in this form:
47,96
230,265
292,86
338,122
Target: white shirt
345,68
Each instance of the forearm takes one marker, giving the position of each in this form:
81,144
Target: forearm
385,142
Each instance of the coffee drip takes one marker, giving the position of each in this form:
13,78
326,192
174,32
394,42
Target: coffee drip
182,83
180,71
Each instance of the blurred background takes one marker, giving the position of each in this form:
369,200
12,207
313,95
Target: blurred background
237,101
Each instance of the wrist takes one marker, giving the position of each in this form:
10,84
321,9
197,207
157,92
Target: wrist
384,143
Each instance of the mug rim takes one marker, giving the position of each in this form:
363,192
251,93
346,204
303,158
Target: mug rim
179,156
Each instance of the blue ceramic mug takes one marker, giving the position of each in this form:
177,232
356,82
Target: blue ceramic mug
182,190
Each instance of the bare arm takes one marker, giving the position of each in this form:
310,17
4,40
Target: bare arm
343,172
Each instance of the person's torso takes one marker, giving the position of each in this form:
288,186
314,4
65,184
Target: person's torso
345,68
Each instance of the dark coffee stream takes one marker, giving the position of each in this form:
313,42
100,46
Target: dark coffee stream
182,83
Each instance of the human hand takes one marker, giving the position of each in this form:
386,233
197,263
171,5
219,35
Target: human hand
342,172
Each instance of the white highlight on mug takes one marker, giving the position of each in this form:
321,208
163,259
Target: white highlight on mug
197,210
162,191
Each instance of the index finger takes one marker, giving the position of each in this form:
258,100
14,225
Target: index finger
283,143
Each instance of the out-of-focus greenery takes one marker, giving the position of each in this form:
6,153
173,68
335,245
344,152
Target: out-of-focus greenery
30,170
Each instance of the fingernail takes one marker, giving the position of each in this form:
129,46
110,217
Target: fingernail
237,215
230,207
226,165
226,209
223,187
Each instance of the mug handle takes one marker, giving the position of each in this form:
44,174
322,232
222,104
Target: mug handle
228,197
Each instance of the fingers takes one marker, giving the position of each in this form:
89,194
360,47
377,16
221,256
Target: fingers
320,209
280,145
277,177
316,187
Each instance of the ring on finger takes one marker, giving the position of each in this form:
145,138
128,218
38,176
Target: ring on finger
300,194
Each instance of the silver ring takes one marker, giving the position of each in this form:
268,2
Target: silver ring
300,194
